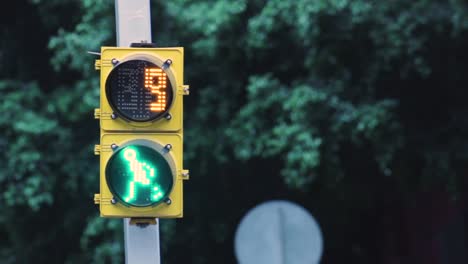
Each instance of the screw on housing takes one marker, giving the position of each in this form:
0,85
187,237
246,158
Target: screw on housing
168,201
113,200
166,64
114,146
114,61
114,116
168,147
168,116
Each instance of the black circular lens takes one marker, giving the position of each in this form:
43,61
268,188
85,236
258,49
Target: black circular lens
139,90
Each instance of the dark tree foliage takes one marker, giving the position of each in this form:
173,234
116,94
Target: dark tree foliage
349,108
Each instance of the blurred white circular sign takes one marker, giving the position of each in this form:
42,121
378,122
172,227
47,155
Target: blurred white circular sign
278,232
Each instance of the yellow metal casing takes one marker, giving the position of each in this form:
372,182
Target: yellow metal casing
162,131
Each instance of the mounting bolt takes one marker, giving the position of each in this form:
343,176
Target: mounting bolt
114,61
113,116
168,147
166,64
114,146
168,201
113,200
168,116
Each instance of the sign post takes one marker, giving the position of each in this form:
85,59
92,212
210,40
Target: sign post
133,25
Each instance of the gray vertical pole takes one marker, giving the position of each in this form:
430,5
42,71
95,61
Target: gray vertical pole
133,21
141,243
133,24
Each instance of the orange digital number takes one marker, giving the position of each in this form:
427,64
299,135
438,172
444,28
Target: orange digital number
155,81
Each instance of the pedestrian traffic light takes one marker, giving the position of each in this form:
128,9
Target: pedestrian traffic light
141,141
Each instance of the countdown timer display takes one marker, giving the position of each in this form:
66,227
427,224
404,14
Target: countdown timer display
139,90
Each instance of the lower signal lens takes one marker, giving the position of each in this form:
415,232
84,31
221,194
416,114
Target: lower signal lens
139,176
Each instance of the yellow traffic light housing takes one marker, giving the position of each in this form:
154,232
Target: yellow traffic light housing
141,144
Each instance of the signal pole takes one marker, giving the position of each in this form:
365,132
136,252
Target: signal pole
133,25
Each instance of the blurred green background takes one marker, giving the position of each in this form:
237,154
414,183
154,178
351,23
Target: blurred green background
354,109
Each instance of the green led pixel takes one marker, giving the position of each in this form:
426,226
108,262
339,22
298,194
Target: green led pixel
138,175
